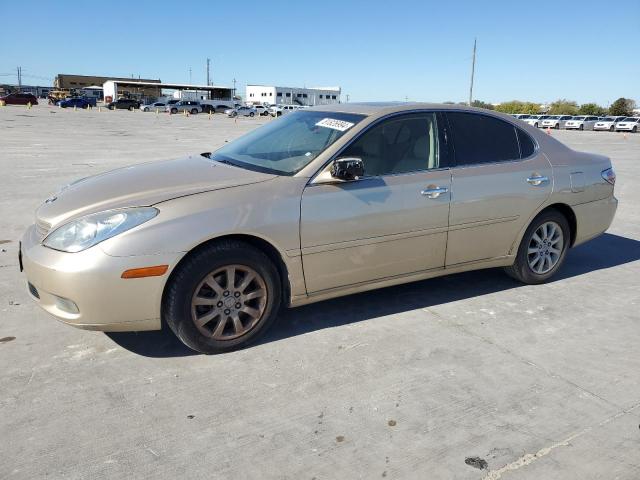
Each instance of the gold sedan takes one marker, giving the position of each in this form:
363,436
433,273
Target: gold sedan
323,202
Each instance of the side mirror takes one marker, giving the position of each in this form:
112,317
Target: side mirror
347,169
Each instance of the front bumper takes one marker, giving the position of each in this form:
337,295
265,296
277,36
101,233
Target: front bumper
602,127
91,280
624,128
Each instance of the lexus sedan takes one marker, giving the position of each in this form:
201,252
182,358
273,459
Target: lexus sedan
581,122
607,123
321,203
629,124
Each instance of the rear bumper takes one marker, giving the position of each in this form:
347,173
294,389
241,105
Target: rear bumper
90,280
594,218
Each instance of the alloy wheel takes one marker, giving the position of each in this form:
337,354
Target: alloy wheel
545,248
229,302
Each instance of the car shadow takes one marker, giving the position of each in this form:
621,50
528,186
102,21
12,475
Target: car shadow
393,300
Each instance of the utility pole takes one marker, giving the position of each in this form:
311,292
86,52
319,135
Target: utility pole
208,63
234,86
19,78
189,75
473,70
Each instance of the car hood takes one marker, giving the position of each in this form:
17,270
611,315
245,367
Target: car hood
143,185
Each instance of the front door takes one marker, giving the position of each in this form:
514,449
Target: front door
499,180
391,222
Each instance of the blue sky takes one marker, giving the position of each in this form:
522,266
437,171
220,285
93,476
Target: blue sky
375,50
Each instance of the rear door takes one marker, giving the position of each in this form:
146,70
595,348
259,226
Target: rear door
390,223
499,179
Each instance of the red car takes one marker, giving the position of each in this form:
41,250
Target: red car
19,99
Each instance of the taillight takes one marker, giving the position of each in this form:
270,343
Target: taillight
609,175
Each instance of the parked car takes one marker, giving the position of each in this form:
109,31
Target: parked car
78,102
320,204
217,106
262,110
555,121
124,104
152,107
533,120
278,110
242,111
581,122
19,99
191,106
607,123
628,124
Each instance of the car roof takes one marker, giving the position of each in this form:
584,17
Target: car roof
385,108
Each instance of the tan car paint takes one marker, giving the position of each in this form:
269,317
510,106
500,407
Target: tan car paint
341,252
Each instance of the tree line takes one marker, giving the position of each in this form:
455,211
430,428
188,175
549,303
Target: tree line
621,107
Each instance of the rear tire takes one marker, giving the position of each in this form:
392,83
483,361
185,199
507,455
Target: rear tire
174,111
251,114
225,301
540,256
581,127
634,129
611,128
194,111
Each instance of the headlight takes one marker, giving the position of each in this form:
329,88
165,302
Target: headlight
88,231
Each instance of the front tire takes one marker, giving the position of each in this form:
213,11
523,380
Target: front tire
542,250
251,114
194,111
634,129
222,298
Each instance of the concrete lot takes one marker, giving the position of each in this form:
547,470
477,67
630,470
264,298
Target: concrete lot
539,382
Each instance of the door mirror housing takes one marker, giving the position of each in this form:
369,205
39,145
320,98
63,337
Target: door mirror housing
347,169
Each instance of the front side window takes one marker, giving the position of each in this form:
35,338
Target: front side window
289,144
408,143
481,139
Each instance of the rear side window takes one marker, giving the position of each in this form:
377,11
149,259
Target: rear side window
526,144
481,139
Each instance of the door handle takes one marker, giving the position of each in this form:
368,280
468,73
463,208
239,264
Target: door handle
433,192
537,180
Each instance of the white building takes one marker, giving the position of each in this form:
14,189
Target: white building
261,94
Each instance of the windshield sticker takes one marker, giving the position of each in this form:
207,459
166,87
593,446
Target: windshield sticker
340,125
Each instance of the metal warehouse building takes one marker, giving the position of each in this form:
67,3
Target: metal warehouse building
261,94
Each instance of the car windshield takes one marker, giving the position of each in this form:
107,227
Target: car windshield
287,145
630,119
579,118
607,119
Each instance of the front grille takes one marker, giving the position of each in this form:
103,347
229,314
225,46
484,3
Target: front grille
42,229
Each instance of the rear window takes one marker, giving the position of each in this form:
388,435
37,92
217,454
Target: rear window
481,139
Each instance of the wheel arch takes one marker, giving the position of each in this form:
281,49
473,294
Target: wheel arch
560,207
254,241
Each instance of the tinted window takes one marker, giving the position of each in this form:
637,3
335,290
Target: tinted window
482,139
526,144
399,145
